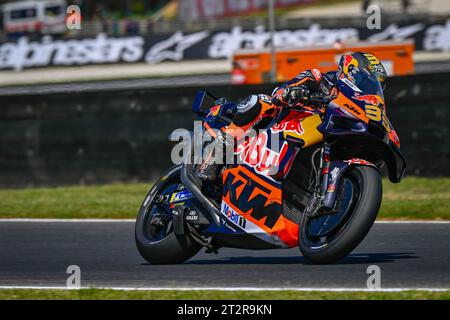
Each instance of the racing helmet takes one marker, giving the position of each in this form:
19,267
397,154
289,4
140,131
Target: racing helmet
352,63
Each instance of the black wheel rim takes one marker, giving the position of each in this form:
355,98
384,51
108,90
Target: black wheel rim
158,223
320,231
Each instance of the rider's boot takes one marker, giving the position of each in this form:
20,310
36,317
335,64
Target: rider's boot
208,170
211,166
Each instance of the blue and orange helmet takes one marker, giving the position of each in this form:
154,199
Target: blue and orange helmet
350,64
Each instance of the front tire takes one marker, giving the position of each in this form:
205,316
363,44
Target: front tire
162,246
365,188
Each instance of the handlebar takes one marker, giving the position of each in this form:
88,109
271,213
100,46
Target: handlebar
321,98
318,100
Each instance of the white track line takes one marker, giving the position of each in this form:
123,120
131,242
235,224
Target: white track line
230,289
69,220
132,220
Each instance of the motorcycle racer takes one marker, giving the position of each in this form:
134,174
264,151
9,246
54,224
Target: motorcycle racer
300,92
298,172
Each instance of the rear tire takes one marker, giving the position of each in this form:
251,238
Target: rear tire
172,249
354,228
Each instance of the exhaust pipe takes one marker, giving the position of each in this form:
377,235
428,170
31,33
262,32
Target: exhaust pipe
188,182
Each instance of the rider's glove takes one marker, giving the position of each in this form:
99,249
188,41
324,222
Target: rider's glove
293,95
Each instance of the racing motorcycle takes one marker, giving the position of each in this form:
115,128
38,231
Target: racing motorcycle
320,190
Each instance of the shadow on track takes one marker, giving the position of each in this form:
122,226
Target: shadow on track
360,258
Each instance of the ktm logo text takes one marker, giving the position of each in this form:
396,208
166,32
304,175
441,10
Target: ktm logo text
252,199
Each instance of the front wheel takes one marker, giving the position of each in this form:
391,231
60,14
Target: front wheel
155,238
330,237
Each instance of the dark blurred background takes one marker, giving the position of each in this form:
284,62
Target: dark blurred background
96,104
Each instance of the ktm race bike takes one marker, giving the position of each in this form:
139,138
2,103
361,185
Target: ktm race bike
320,190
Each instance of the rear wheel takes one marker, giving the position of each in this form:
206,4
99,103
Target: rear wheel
155,239
330,237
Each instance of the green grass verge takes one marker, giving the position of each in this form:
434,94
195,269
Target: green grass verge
102,294
416,198
413,198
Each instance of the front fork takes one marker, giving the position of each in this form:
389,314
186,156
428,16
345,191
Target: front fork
321,184
328,178
324,168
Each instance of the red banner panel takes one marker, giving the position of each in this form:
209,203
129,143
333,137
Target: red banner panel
204,9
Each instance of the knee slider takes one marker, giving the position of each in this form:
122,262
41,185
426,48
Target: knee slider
247,110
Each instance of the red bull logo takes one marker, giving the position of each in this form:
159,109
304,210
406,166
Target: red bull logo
349,60
294,126
292,123
256,153
371,99
214,111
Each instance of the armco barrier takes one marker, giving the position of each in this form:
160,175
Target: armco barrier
122,135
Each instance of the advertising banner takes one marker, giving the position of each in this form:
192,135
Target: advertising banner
180,45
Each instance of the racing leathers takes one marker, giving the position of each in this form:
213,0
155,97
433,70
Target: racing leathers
308,84
298,92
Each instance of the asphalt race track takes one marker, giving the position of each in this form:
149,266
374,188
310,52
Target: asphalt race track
410,255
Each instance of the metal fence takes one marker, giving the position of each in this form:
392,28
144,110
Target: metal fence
149,27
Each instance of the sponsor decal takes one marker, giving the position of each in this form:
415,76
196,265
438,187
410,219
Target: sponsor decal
162,198
214,111
257,198
358,161
146,201
371,99
334,173
349,60
174,47
259,201
393,32
351,85
256,153
353,108
180,196
101,49
291,123
372,59
317,74
26,53
293,126
192,216
436,38
176,204
233,216
224,44
331,188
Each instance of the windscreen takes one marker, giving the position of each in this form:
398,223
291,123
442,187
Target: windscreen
368,83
